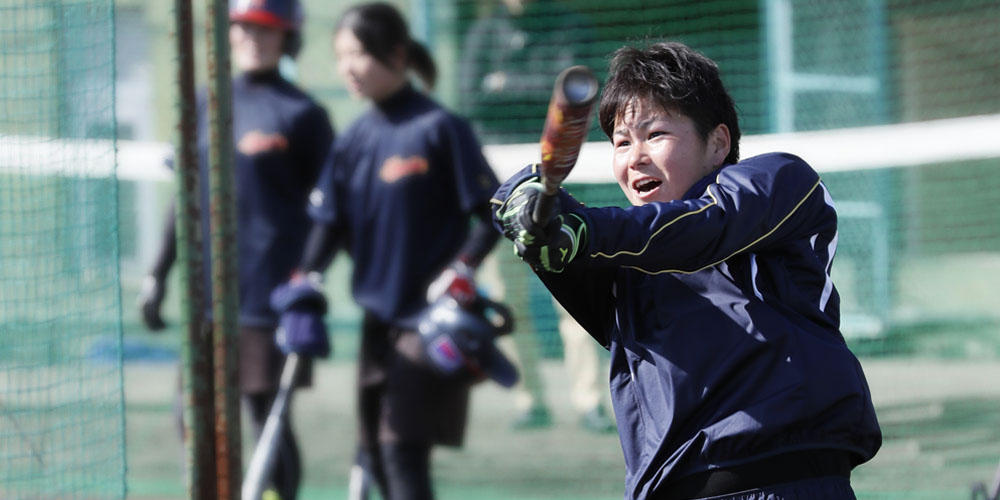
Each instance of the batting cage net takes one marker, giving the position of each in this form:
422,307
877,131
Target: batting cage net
895,102
61,410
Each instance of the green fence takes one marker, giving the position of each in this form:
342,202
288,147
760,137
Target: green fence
917,266
61,408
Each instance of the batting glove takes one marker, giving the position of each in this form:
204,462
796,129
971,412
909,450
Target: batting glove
301,330
550,246
457,281
151,301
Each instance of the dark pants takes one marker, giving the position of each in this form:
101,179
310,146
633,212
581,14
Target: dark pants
286,473
401,471
260,365
404,408
822,488
820,474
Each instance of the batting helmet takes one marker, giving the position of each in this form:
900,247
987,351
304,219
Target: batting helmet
284,14
459,340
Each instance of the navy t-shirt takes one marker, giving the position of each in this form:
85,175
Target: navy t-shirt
280,138
400,184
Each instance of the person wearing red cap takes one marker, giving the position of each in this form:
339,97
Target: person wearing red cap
281,136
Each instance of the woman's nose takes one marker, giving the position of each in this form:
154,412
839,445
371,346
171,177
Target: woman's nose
637,154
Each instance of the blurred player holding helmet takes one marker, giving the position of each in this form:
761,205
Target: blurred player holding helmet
405,192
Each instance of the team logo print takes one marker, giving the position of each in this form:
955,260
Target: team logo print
256,142
445,354
396,167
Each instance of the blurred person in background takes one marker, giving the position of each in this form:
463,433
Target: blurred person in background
510,61
281,136
406,193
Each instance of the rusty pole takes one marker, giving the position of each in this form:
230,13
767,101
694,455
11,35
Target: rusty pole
224,269
199,409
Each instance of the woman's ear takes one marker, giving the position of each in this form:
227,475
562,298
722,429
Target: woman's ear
718,144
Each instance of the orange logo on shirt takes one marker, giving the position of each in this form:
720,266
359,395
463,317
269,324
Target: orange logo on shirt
395,168
256,142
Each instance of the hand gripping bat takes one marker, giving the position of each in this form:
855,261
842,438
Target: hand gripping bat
566,126
259,470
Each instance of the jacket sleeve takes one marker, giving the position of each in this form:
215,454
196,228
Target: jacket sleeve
474,179
587,295
750,206
482,238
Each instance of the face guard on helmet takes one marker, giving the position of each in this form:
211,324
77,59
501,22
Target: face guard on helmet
459,340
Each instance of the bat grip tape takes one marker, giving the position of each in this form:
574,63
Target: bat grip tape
543,208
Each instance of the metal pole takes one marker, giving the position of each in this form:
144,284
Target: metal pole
781,69
199,409
223,235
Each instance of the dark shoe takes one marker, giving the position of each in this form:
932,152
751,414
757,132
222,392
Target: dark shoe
597,421
537,417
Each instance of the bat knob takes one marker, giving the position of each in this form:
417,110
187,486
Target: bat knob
579,85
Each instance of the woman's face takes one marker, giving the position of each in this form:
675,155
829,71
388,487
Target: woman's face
255,47
364,75
659,155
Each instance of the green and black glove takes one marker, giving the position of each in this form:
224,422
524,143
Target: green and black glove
550,245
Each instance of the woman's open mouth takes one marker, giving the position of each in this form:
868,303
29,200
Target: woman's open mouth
646,185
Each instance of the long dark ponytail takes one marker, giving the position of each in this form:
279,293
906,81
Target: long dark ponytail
381,28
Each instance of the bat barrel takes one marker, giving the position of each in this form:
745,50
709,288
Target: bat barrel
566,123
578,85
566,126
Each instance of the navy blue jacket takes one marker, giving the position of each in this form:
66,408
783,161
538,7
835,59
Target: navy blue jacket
281,137
722,323
399,186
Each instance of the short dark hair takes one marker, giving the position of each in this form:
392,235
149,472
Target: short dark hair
675,77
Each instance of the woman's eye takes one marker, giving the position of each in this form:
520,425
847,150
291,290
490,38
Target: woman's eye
656,133
621,143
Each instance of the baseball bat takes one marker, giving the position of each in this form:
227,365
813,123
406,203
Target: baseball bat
566,126
264,453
